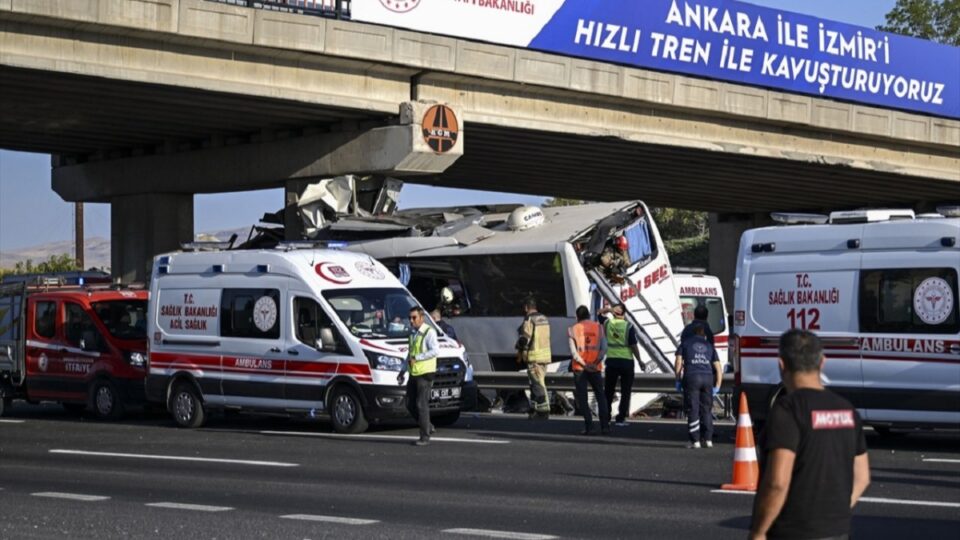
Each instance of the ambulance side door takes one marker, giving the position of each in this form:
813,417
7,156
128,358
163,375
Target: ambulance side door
312,359
252,345
910,337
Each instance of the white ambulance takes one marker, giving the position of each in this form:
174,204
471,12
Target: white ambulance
295,331
698,289
880,288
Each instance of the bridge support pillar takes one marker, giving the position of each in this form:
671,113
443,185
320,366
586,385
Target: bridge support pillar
292,224
142,226
725,232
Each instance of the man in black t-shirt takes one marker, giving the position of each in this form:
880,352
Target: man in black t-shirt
815,465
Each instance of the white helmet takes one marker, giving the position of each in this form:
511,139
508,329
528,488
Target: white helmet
525,217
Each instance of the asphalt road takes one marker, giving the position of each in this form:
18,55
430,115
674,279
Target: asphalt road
67,476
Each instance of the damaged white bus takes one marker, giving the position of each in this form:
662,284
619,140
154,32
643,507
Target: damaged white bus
563,257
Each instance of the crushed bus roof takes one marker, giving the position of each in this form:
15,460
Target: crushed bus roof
561,224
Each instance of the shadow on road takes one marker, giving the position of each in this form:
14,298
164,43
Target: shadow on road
643,480
878,527
650,433
903,527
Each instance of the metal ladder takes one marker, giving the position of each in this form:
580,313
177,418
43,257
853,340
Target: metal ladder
649,343
660,357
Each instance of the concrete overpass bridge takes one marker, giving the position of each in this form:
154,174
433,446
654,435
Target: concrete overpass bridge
145,103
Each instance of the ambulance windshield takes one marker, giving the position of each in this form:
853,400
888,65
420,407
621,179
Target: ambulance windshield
714,307
373,313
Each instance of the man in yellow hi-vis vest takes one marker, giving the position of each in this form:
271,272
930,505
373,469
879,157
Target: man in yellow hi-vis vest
622,348
533,347
422,364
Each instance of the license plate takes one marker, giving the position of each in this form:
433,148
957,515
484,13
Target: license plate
445,393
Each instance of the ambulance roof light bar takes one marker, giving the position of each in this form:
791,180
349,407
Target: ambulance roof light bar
793,218
870,216
288,245
696,271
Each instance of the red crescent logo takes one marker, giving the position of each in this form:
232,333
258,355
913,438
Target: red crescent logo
334,273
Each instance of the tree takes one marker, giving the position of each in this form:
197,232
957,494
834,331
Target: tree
56,263
675,223
560,201
936,20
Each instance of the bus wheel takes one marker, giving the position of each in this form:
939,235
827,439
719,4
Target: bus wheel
446,419
346,411
186,406
107,404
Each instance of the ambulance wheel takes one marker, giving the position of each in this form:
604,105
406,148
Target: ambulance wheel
445,419
346,411
107,403
186,406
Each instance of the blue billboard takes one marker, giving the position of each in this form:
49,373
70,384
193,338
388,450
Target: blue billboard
724,40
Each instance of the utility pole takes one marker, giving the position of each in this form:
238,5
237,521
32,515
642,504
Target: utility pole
78,233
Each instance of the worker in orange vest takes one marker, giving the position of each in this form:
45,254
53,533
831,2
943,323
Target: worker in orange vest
588,345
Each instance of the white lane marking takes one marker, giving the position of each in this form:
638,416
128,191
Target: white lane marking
877,500
487,533
940,460
7,421
910,502
177,458
331,519
384,437
196,507
70,496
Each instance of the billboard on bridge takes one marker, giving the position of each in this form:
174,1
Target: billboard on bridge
716,39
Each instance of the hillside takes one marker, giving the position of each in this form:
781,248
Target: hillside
96,249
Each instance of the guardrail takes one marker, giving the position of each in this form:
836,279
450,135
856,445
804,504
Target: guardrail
337,9
661,383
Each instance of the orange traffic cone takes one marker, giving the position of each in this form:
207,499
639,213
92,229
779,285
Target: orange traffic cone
746,473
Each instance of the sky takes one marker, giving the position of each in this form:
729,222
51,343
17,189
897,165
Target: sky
31,213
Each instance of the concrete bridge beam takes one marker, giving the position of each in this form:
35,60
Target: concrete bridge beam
145,225
394,150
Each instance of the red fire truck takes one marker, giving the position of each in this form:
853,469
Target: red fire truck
79,345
